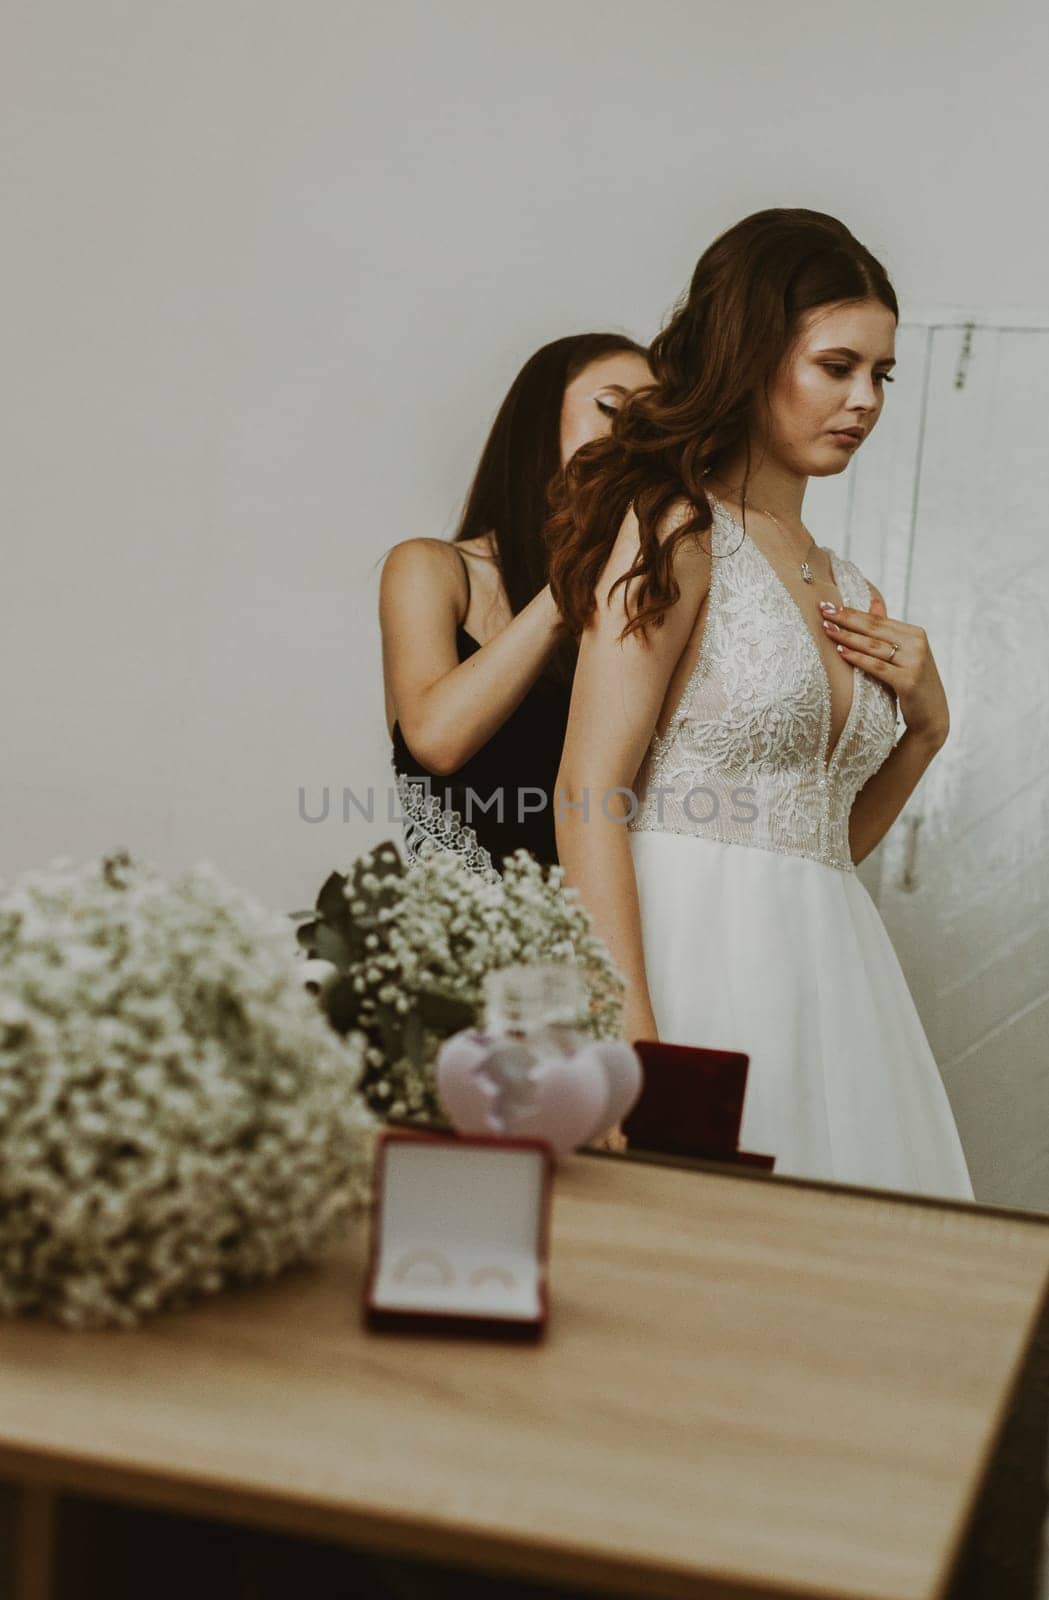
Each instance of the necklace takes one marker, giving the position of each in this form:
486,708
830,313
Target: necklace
806,570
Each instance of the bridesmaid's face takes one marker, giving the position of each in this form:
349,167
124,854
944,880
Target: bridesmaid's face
829,392
595,395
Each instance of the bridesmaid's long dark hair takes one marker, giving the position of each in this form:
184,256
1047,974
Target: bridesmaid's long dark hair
520,462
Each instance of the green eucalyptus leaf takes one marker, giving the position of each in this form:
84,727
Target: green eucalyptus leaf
413,1041
355,936
342,1003
331,901
389,1024
331,945
444,1013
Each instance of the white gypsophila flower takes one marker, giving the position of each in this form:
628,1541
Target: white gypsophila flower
175,1111
441,930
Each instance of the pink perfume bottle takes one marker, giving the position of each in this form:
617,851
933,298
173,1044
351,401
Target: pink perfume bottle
531,1071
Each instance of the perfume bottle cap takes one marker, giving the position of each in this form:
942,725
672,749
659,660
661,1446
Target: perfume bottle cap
527,997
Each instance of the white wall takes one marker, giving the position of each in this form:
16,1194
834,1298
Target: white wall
268,269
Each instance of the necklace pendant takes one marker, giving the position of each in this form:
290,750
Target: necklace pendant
806,572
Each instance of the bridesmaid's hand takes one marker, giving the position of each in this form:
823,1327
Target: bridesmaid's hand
866,638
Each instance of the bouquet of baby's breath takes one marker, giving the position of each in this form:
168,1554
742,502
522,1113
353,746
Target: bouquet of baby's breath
410,948
174,1113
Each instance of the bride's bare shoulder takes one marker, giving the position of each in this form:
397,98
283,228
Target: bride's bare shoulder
689,556
675,516
618,590
678,515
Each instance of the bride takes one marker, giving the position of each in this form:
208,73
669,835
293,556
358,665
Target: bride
731,749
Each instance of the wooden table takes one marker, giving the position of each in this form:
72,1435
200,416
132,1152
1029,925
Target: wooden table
749,1387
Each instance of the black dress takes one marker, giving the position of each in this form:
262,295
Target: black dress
520,758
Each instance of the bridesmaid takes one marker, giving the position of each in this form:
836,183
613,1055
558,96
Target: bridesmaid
477,664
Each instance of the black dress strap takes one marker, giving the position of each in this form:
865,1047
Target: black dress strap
466,569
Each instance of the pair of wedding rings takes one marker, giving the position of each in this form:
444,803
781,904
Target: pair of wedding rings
436,1259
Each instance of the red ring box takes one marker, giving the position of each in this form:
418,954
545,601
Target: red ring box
691,1103
460,1235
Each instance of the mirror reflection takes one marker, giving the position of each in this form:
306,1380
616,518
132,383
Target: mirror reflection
714,634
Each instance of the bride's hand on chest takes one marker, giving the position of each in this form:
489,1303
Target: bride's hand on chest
899,654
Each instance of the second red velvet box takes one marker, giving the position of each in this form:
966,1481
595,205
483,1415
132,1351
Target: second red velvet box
691,1104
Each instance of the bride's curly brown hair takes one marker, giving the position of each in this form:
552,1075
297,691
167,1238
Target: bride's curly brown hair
719,352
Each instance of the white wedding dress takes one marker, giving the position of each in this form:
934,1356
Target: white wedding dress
758,934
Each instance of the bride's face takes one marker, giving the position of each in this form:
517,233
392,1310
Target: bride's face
829,391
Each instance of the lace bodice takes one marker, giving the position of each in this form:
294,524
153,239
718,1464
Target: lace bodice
743,758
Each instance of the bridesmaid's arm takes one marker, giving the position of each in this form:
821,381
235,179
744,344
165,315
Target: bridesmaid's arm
617,694
449,708
884,795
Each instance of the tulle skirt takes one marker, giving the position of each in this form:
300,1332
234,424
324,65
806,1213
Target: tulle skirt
788,960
